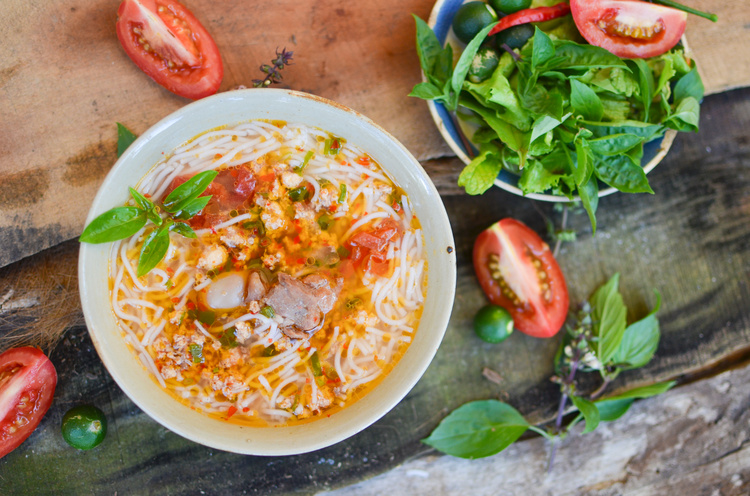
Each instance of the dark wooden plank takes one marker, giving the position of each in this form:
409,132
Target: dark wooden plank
65,81
690,241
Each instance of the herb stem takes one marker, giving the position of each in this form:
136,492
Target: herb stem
563,401
601,389
542,432
562,228
689,10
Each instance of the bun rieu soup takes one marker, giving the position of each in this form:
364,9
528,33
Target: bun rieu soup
302,287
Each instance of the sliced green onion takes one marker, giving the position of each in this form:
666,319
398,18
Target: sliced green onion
315,364
342,193
267,311
324,221
299,170
196,351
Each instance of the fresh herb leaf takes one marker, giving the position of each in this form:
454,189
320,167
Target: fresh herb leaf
608,315
113,225
187,192
192,207
543,49
615,144
478,429
589,411
620,172
125,138
464,64
585,101
589,195
154,248
615,407
640,340
183,229
480,174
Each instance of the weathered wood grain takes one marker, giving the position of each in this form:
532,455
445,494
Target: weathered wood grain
65,81
693,440
690,241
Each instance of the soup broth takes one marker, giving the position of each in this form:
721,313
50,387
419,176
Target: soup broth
303,287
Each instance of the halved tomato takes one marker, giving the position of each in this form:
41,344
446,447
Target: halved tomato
27,384
169,44
629,28
518,272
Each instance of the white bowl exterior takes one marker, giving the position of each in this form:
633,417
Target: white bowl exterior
228,109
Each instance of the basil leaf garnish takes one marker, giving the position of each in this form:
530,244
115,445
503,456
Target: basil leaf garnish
188,191
113,225
183,229
589,410
608,315
153,251
193,207
478,429
125,138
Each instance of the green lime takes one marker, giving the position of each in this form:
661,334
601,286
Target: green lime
509,6
493,323
515,37
471,18
484,64
84,427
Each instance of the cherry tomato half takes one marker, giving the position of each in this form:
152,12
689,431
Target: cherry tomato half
629,28
27,384
169,44
517,271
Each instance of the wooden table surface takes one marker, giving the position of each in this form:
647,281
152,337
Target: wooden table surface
690,240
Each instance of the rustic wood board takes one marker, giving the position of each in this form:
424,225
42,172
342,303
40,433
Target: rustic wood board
693,440
690,241
65,81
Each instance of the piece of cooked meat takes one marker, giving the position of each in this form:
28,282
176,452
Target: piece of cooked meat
255,287
302,304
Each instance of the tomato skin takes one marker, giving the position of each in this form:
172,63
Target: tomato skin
174,36
519,254
27,385
605,23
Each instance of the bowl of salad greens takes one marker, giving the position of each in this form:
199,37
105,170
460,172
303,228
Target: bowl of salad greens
530,106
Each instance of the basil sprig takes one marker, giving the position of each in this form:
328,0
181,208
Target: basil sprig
562,115
122,222
600,341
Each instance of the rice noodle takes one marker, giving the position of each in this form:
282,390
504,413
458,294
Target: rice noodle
248,359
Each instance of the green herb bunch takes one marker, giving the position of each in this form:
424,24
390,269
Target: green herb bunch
273,72
599,341
181,204
561,115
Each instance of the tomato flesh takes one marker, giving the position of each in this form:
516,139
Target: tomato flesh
629,28
169,44
518,272
368,247
27,385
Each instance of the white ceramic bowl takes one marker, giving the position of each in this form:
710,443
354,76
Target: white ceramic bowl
440,21
230,108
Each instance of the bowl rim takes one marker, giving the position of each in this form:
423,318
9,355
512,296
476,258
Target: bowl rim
458,148
287,440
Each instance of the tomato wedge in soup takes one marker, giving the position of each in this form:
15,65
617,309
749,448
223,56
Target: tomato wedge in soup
518,272
168,43
629,28
27,385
